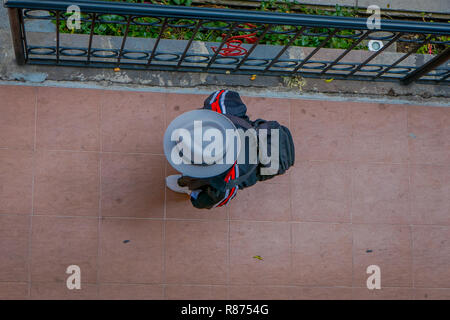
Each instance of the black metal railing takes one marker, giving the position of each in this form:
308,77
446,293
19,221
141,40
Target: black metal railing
257,57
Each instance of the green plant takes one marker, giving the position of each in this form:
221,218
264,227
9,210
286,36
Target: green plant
182,2
296,81
433,48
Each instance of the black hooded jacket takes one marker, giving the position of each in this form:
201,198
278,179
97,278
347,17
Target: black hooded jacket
212,192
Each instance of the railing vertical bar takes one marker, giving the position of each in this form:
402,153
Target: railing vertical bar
321,45
197,27
24,34
91,36
274,60
346,52
373,56
124,39
163,27
224,40
57,36
16,35
427,67
249,52
414,49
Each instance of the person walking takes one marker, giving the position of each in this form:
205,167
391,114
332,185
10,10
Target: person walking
212,179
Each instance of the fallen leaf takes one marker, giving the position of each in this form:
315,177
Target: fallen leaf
329,80
253,77
258,257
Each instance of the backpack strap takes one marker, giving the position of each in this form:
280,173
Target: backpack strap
238,120
233,183
247,125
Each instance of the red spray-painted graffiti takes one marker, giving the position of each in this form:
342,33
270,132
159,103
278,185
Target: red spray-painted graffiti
233,46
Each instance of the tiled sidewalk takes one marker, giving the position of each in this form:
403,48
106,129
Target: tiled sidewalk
82,183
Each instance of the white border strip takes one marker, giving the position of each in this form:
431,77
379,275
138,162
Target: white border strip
266,93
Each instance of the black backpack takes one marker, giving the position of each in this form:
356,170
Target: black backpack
286,152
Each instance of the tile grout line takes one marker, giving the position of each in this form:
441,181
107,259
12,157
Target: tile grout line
94,151
164,286
30,233
411,242
351,198
233,285
291,217
99,219
232,220
228,253
302,160
164,238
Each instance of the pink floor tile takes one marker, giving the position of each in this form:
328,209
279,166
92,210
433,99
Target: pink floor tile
181,103
268,108
281,179
321,254
131,251
321,293
272,200
321,191
14,241
268,240
322,131
13,291
432,294
388,247
197,292
380,194
313,116
132,121
380,148
430,194
17,121
431,256
429,135
196,252
260,292
59,291
68,119
383,294
131,292
132,185
16,176
379,133
321,146
378,119
59,242
67,183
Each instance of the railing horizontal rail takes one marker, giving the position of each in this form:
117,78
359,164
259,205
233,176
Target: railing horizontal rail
230,15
